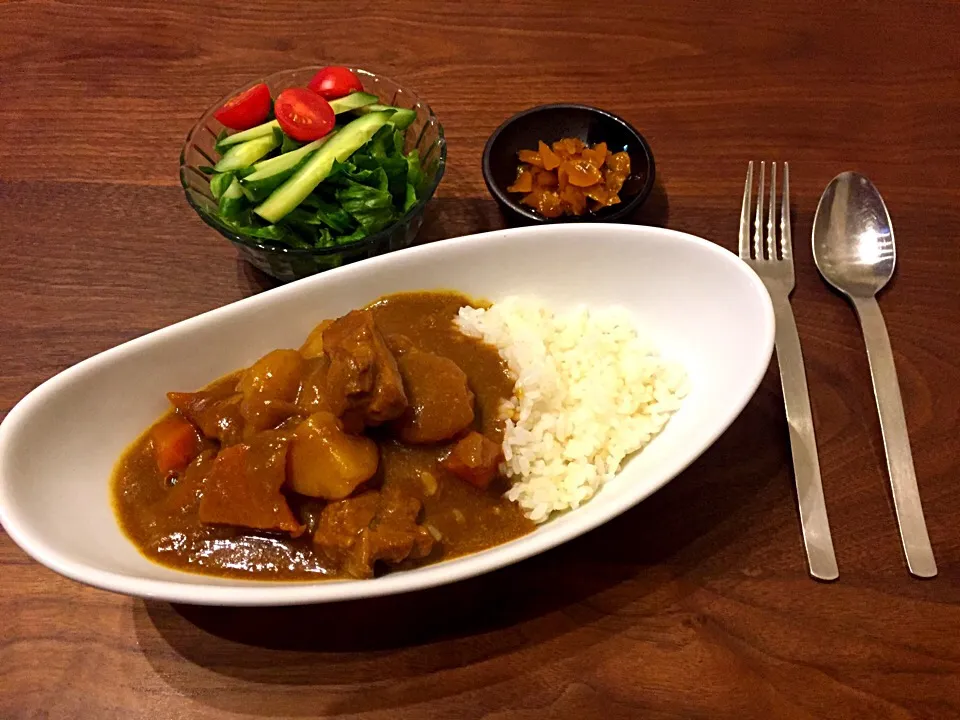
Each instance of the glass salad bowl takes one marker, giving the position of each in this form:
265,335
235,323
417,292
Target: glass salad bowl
285,263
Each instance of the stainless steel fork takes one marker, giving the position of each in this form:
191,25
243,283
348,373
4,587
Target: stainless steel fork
773,263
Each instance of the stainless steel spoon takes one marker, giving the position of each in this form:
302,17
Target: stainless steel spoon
854,250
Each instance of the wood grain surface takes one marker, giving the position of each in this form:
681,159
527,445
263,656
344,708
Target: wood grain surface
696,604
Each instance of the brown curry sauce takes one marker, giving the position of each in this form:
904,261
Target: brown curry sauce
160,514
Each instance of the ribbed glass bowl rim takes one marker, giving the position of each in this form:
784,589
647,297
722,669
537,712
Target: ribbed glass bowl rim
254,243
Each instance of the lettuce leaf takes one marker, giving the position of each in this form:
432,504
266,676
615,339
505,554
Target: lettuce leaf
371,207
334,217
362,195
281,234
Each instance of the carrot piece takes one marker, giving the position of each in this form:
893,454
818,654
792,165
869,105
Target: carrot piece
475,460
175,443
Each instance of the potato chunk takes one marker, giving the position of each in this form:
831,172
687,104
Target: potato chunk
313,346
325,462
269,388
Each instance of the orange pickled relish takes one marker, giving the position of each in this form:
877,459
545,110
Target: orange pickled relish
546,202
524,181
582,174
569,177
596,155
568,147
530,157
550,159
575,199
619,162
545,179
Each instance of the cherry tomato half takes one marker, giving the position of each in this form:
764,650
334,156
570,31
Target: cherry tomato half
249,108
334,82
303,115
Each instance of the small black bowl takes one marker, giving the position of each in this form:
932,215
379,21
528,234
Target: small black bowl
555,122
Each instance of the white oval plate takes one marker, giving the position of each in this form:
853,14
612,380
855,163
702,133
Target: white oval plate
700,305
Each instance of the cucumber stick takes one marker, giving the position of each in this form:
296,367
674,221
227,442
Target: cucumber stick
347,141
352,101
258,189
219,184
267,175
401,119
246,154
246,135
264,168
233,201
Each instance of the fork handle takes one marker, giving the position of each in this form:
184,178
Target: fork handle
896,441
803,445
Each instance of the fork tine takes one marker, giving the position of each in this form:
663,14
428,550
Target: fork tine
758,223
745,215
786,242
772,215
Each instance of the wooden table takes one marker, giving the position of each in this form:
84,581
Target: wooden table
696,604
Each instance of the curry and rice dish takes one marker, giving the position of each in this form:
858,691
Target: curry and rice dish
420,428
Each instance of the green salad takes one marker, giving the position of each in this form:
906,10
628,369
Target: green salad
349,183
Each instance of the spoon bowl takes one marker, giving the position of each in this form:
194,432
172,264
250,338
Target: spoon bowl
853,243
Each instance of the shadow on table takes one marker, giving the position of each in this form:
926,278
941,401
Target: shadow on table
452,217
252,281
655,210
443,218
548,607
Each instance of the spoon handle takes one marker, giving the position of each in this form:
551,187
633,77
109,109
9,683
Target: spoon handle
896,441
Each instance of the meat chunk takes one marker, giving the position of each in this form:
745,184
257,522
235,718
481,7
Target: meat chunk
474,459
395,534
325,462
363,376
269,388
357,532
341,530
441,402
216,412
399,344
243,487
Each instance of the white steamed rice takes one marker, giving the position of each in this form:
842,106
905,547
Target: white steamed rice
589,392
